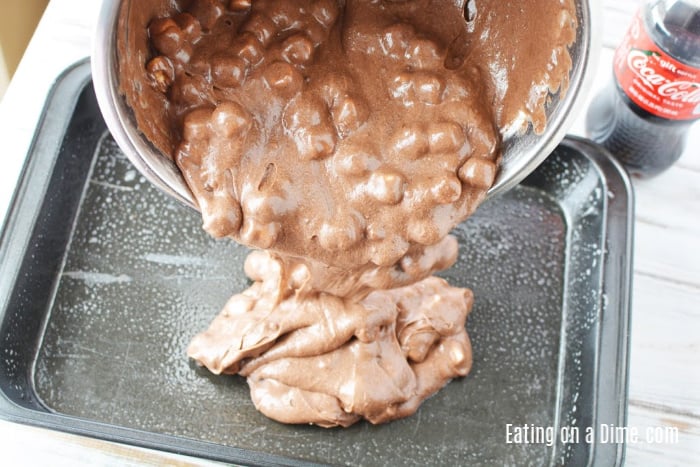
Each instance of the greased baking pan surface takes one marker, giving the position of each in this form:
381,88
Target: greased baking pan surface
105,280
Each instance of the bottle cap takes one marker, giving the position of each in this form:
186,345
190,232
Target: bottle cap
682,23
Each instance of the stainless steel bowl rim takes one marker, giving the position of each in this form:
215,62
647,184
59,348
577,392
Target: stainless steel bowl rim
527,154
158,168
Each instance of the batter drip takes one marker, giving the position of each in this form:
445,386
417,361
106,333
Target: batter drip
349,350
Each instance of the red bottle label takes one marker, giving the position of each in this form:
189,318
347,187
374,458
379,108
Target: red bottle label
655,81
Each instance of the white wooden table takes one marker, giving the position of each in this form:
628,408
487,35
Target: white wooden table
665,339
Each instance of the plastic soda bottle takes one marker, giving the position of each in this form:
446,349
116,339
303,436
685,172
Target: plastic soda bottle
643,115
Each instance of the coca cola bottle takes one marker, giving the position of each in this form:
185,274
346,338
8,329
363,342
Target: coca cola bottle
643,116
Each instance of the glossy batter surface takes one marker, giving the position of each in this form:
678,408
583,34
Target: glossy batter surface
346,138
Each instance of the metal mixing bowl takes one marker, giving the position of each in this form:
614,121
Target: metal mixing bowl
522,153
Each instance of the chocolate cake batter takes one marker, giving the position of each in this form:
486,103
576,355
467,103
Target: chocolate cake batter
345,138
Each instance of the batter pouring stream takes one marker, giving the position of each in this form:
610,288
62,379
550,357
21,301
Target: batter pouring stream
345,139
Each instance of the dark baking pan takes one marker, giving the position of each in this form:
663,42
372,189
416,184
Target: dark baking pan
105,280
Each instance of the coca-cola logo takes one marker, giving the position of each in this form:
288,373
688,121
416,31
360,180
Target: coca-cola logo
678,91
683,91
